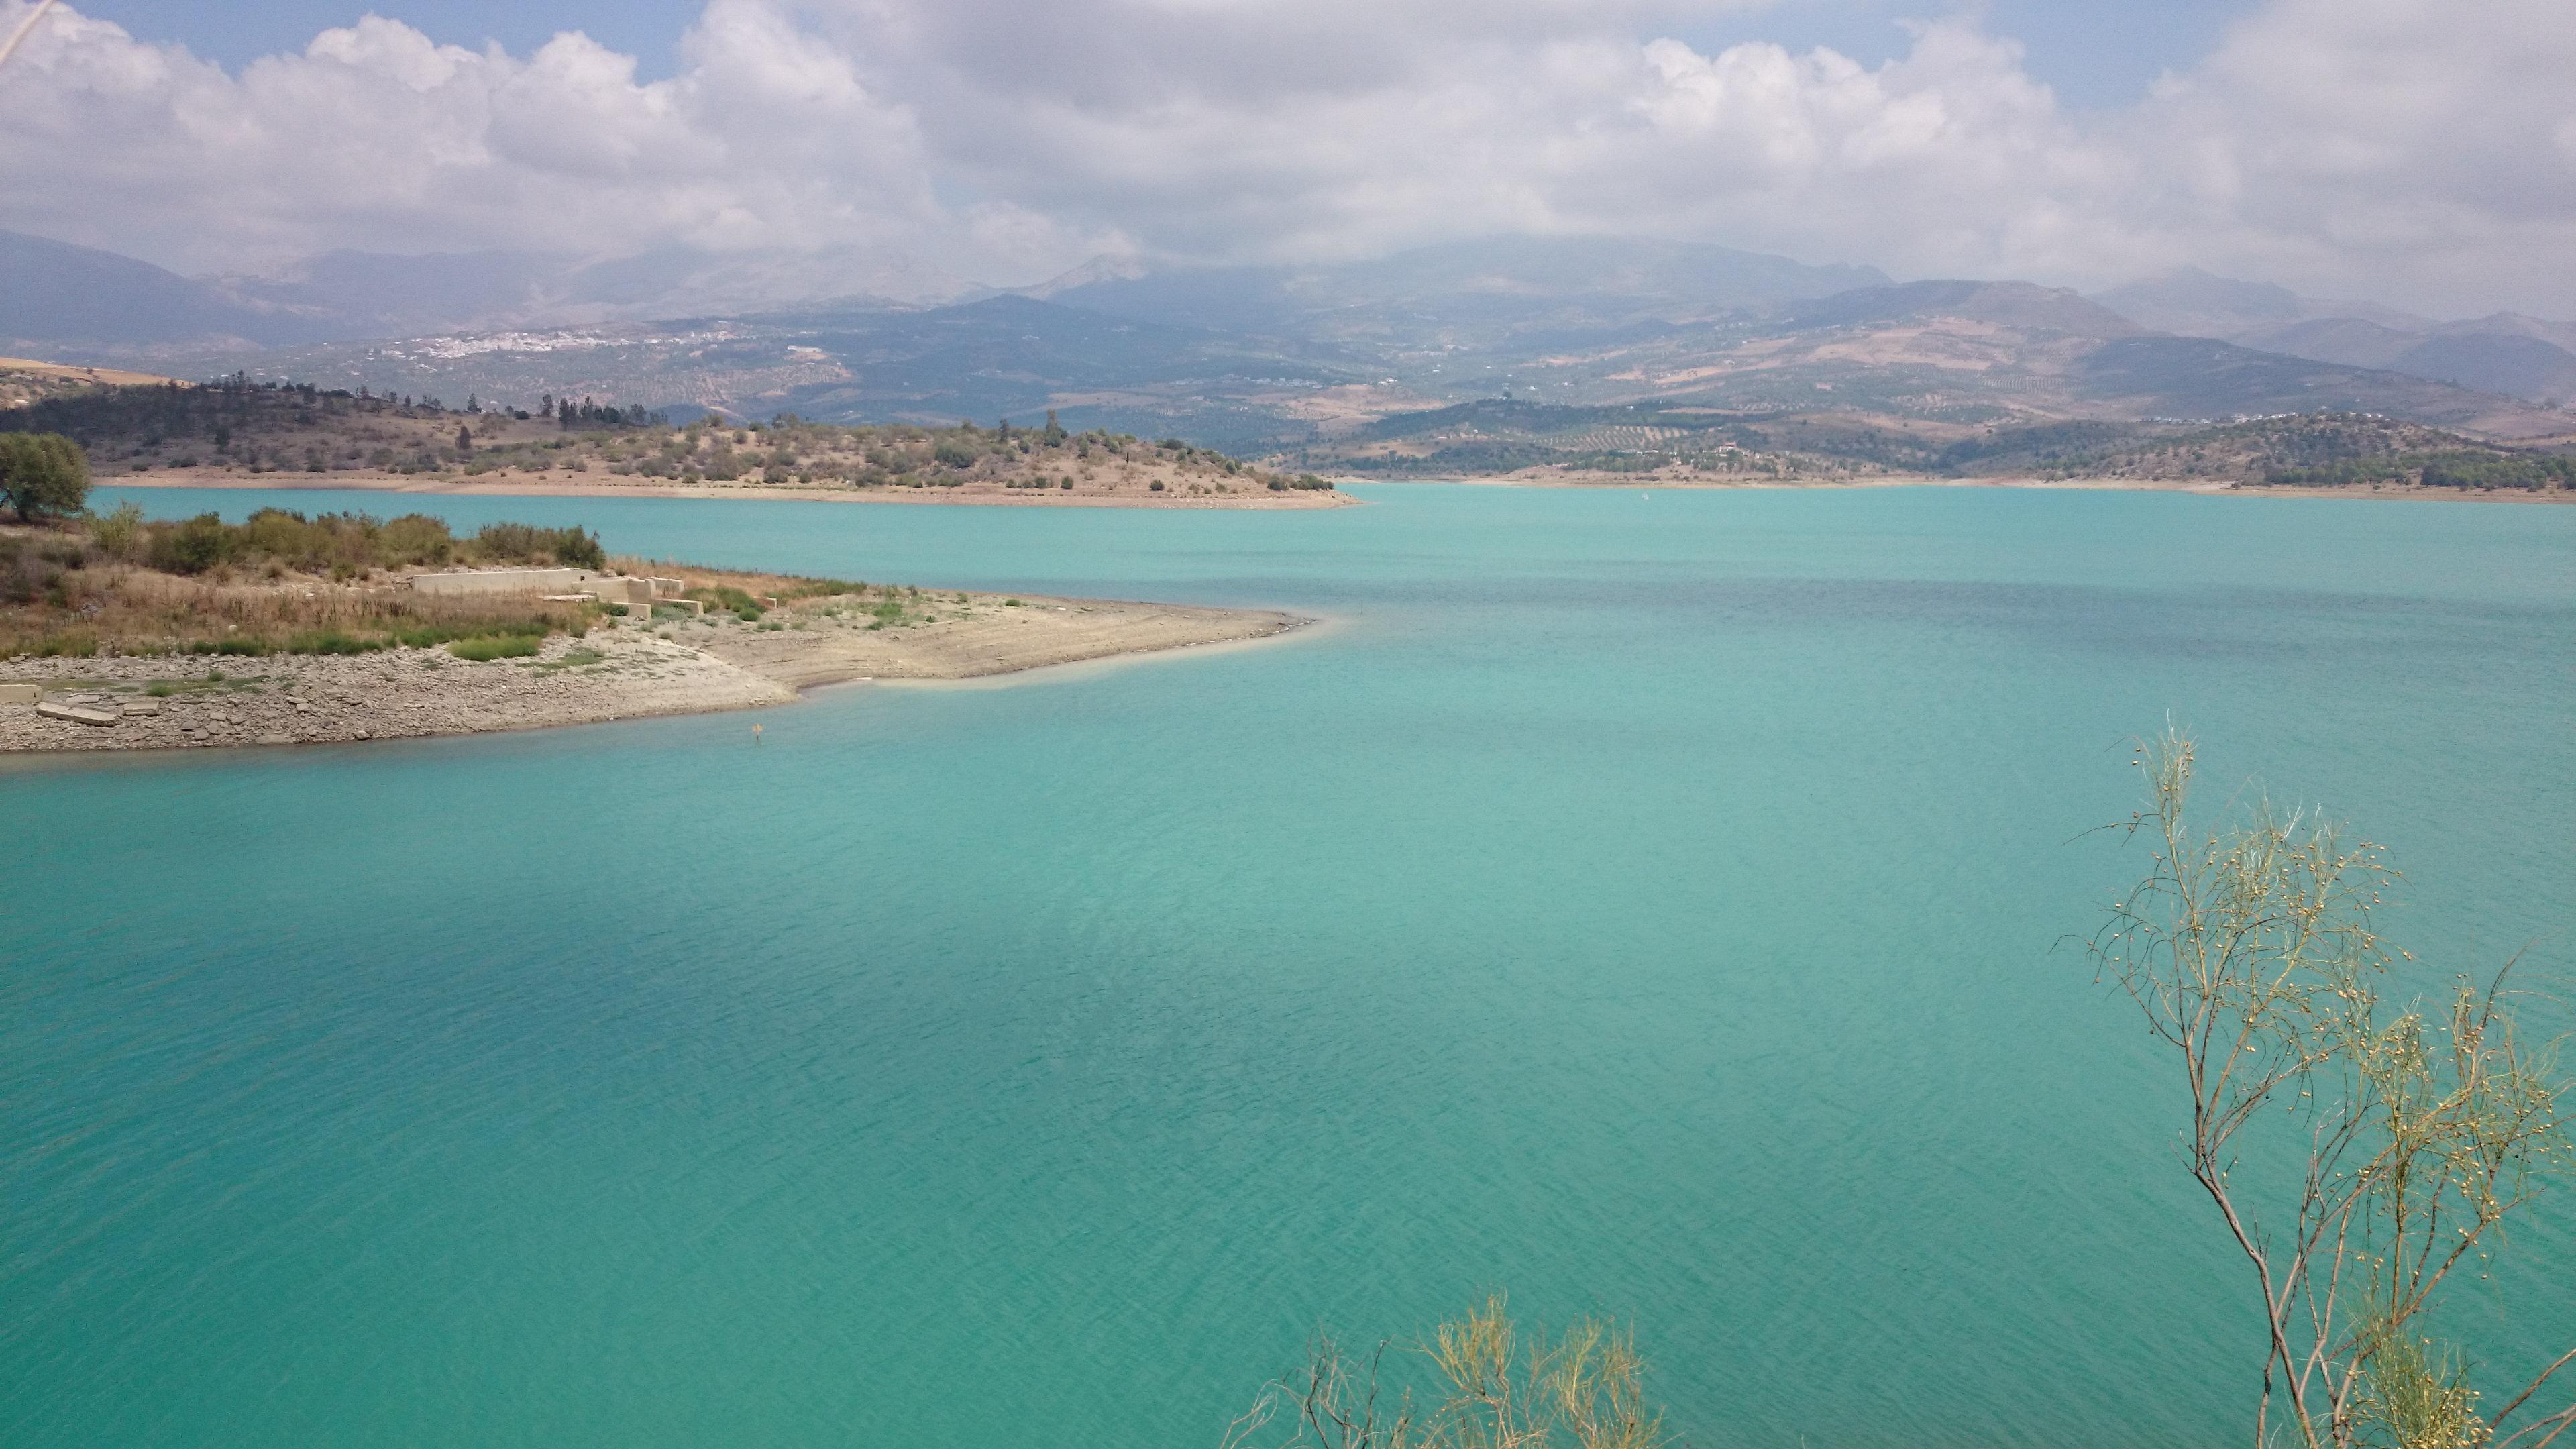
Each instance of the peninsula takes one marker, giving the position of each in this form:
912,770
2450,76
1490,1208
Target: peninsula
119,634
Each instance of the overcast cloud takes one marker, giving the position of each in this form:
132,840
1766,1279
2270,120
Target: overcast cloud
2406,151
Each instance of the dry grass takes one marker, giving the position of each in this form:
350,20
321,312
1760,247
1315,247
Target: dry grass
123,609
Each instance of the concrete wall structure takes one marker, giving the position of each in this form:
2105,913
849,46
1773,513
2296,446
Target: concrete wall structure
607,588
506,581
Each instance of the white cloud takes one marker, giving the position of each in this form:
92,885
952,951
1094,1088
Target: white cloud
376,137
2400,149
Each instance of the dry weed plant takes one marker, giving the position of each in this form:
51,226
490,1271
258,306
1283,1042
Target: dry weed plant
1497,1390
2424,1128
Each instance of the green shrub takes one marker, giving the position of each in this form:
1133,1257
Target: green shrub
484,651
416,538
193,546
332,641
120,534
526,543
743,605
430,636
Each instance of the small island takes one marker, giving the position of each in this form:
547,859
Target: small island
120,634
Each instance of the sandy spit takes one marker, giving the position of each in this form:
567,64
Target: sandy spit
618,672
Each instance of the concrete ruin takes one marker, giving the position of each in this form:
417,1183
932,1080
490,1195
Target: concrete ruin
478,582
79,713
636,595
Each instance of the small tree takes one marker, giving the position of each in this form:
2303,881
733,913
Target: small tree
464,438
2251,953
42,474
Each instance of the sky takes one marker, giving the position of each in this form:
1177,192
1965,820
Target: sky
2415,153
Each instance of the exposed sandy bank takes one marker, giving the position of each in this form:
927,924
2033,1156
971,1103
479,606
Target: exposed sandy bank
617,672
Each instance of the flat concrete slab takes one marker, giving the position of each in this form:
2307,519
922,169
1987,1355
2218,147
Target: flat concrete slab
141,706
79,713
21,693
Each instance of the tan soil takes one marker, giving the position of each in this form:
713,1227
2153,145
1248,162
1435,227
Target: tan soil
24,380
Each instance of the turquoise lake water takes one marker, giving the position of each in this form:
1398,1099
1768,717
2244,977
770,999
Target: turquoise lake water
1644,905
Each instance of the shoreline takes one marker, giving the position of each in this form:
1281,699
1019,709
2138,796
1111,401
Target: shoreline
520,487
524,486
2210,487
690,666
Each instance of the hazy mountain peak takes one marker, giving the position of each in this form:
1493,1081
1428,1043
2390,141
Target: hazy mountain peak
59,292
1106,267
2010,304
2193,303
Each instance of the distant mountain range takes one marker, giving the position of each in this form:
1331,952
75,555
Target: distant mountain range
55,295
1479,294
1305,359
2519,356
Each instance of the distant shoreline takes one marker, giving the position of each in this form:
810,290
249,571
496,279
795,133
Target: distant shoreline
524,486
2212,487
519,486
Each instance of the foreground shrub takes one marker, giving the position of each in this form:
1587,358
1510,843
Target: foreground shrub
525,543
193,546
2416,1130
724,596
1492,1387
344,545
333,641
120,534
